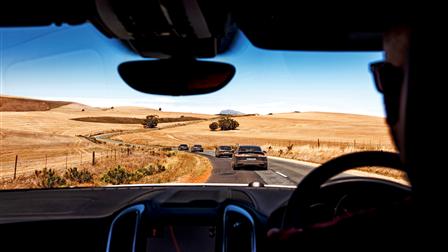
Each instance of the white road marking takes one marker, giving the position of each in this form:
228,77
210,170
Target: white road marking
281,174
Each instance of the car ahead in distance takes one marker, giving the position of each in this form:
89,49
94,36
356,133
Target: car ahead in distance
223,151
197,148
249,155
183,147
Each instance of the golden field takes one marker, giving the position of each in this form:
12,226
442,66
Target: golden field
47,137
299,129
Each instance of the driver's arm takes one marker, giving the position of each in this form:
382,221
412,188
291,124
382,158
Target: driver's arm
379,228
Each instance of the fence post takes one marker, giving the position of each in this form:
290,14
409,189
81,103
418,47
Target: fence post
66,157
15,167
93,158
129,151
318,143
354,143
45,161
115,154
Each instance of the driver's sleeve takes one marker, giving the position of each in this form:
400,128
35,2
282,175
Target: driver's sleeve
367,230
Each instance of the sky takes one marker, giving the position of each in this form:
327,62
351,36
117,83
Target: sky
78,63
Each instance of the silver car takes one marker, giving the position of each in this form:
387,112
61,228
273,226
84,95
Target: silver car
223,151
249,155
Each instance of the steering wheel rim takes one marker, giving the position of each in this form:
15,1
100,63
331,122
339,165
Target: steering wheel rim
310,185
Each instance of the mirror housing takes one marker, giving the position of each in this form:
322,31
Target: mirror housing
176,76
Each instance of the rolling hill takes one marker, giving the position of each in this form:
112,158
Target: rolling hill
17,104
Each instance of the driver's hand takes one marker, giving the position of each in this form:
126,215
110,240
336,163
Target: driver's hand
313,237
370,229
283,234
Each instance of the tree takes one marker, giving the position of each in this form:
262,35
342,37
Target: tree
213,126
151,121
227,123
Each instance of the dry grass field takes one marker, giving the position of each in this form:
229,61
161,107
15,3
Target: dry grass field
44,134
49,137
311,136
279,130
178,167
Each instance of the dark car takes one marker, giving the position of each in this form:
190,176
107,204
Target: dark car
183,147
223,151
197,148
249,155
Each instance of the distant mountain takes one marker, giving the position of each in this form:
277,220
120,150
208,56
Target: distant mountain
230,112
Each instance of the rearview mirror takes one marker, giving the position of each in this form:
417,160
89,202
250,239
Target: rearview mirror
176,77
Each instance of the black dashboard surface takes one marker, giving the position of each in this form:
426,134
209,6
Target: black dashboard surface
79,219
91,203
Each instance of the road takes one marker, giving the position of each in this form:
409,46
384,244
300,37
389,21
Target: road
279,172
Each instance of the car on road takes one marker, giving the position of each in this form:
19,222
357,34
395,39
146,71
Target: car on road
249,155
197,148
223,151
183,147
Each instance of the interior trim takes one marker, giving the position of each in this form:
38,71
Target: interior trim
137,209
243,212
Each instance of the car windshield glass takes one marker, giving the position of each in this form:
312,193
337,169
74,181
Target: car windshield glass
69,120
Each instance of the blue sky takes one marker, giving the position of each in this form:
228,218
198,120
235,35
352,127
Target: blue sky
80,64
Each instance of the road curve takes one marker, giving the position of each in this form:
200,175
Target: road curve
279,172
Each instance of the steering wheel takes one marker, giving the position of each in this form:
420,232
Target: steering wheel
308,188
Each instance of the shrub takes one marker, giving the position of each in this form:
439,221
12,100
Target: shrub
118,175
289,147
160,168
227,123
83,176
171,154
146,171
151,121
47,178
213,126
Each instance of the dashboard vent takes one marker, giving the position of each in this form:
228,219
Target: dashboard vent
239,230
123,230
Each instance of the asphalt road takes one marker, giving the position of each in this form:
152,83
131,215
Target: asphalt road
279,172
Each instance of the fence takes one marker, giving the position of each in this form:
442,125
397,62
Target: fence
14,165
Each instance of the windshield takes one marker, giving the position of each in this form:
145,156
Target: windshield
69,120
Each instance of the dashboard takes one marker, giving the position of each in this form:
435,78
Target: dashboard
169,218
138,218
